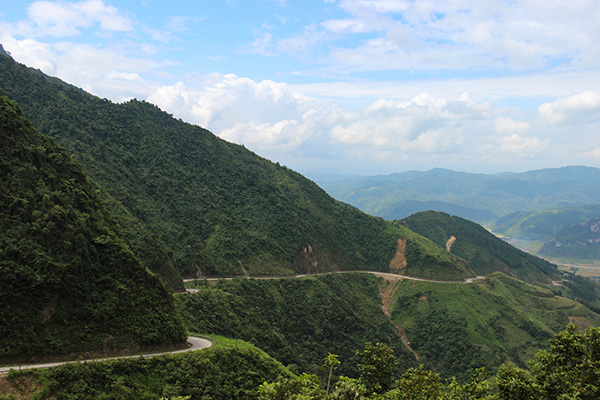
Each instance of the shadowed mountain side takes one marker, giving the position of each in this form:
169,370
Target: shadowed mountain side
68,281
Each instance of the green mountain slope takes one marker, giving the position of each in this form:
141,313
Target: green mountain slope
577,241
209,206
544,224
484,252
68,281
480,197
453,327
457,327
297,321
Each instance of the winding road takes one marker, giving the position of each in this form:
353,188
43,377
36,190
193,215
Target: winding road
196,343
385,275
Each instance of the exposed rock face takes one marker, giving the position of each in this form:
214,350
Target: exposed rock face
398,262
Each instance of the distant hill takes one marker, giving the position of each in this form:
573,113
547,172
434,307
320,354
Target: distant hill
543,225
580,241
484,252
188,199
68,281
480,197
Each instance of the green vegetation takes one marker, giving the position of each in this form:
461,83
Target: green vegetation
569,369
297,321
229,370
484,252
577,241
543,225
184,197
456,328
68,281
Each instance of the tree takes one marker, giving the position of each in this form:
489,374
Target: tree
569,369
377,367
332,362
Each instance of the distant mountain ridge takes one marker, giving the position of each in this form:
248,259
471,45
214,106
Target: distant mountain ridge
480,197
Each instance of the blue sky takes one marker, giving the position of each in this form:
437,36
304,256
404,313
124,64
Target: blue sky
345,86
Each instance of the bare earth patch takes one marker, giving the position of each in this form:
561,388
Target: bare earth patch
398,262
449,243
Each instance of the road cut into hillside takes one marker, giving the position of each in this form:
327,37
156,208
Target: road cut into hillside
196,343
385,275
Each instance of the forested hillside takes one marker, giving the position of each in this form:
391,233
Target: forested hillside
543,225
68,281
576,241
184,196
458,327
297,321
484,252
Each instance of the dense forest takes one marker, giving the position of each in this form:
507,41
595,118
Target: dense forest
187,199
568,369
69,282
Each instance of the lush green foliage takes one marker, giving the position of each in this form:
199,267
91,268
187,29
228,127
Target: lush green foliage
229,370
456,328
377,362
569,369
219,208
297,321
68,281
484,252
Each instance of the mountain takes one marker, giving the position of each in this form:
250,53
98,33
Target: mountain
451,327
68,281
543,225
577,241
188,200
481,197
484,252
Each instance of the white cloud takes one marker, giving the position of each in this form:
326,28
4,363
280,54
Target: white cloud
63,18
581,106
520,145
506,125
483,35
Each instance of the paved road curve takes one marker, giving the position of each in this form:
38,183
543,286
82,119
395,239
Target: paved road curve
196,344
385,275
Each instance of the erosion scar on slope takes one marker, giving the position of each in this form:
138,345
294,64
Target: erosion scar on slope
450,242
386,292
398,262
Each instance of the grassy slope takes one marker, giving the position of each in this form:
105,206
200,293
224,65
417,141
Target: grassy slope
297,321
184,195
68,281
232,369
484,252
455,327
